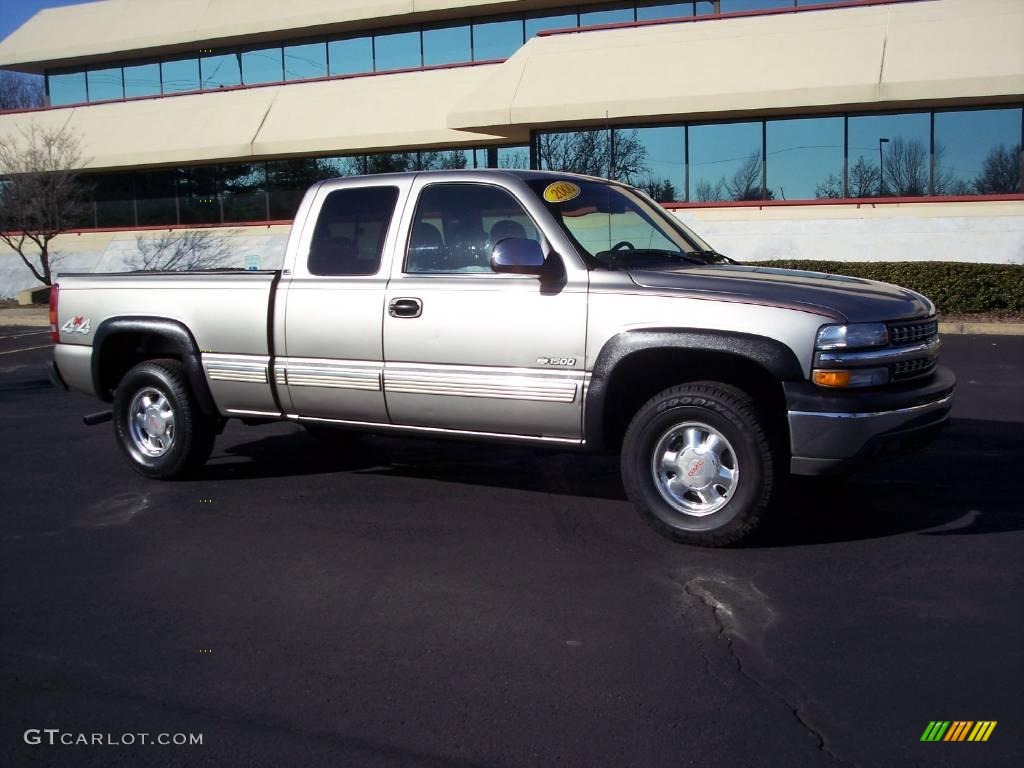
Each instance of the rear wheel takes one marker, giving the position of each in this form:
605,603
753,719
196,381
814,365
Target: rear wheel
698,465
158,424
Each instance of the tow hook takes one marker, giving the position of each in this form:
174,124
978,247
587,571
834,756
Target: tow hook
93,419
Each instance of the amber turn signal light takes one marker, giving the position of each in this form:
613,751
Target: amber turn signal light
832,378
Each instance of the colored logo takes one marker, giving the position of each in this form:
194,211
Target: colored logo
77,324
958,730
561,191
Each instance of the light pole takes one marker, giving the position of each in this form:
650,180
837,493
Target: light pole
881,167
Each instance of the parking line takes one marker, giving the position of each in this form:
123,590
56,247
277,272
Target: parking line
19,335
26,349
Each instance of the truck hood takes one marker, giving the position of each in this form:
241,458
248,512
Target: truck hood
851,299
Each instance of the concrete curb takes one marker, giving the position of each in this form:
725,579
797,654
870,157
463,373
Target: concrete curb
40,317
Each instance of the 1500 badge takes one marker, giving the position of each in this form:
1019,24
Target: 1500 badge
556,361
77,324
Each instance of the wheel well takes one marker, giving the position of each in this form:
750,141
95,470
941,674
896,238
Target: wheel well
122,351
642,374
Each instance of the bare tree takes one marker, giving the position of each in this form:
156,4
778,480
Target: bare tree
745,183
1001,173
831,188
706,192
453,160
514,160
863,179
42,195
179,252
661,190
19,91
619,154
906,168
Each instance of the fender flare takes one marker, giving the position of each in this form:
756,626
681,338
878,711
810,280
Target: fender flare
168,330
775,357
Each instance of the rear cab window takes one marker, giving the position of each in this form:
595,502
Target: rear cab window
350,231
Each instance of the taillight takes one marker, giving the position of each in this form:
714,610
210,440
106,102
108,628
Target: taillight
54,333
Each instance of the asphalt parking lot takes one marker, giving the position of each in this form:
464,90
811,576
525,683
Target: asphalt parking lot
399,602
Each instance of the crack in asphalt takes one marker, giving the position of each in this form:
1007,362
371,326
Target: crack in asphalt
724,617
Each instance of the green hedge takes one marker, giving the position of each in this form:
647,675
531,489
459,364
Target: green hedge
955,287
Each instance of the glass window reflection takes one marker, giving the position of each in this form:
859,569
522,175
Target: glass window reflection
142,80
497,39
198,201
180,75
156,197
615,15
399,50
977,152
587,152
302,62
446,45
263,65
653,160
243,194
734,6
725,162
535,24
105,84
351,56
805,158
67,89
650,11
889,155
222,71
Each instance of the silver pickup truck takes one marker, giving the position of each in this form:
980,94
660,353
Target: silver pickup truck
523,306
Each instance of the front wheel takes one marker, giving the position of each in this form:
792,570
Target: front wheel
158,424
697,464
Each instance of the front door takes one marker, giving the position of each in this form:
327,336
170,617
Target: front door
468,349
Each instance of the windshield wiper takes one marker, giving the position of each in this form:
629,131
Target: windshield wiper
714,257
628,257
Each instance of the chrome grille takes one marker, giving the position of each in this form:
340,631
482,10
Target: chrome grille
912,333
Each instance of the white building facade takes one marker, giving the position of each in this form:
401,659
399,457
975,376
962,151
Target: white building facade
795,129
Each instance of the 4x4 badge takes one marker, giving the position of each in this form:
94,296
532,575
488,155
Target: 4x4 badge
77,324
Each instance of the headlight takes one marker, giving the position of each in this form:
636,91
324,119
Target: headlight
850,377
855,336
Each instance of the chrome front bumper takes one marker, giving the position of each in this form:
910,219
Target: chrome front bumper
833,433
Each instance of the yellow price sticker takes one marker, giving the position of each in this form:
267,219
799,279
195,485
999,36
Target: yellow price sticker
561,191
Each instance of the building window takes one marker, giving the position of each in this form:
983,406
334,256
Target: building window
105,84
445,160
399,50
889,155
263,65
656,10
243,192
587,152
496,39
350,231
351,55
198,198
734,6
978,152
538,24
653,160
446,45
517,158
142,80
306,61
620,14
156,198
114,194
805,158
222,71
180,75
67,88
725,162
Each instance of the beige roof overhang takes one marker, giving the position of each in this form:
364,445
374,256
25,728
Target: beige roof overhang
109,29
363,114
874,57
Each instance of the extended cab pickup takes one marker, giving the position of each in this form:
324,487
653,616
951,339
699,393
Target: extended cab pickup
529,306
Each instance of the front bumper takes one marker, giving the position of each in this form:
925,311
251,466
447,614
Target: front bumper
834,432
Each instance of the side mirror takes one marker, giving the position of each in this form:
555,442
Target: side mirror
518,255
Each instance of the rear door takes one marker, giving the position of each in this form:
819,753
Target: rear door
333,360
467,348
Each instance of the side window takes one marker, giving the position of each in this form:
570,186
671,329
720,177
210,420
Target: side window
457,225
350,231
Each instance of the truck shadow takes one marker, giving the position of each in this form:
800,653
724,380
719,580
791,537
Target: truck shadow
968,482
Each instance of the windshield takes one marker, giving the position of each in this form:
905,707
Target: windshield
614,227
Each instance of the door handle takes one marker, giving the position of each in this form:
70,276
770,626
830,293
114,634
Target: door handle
405,307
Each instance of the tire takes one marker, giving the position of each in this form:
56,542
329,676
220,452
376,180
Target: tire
172,436
687,494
